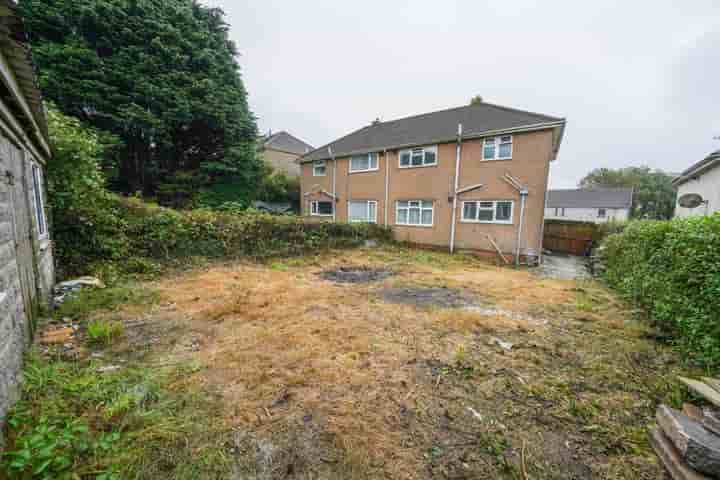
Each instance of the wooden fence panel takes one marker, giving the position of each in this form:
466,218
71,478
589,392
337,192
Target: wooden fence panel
574,238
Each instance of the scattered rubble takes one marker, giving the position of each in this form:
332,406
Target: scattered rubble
64,290
688,442
507,346
426,297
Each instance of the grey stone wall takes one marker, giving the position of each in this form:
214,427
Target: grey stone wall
26,268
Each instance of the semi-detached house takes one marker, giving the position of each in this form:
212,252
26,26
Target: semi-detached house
471,177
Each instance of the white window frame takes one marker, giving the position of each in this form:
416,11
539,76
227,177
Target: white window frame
39,201
494,210
319,164
425,149
370,157
420,206
497,141
368,203
314,208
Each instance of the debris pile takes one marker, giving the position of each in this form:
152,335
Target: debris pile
359,274
64,290
688,441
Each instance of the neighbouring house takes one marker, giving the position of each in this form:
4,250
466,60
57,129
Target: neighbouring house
26,263
282,151
702,179
597,205
472,177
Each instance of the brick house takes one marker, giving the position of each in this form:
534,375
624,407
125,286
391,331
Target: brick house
26,263
282,150
471,177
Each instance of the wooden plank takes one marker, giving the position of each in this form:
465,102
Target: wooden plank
703,389
497,248
671,460
713,382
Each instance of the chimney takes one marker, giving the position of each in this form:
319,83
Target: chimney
376,121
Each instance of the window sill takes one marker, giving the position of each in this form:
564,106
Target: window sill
321,215
413,226
485,223
323,175
418,166
497,159
363,171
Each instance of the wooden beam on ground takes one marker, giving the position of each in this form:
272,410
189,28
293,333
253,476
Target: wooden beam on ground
698,447
671,459
703,389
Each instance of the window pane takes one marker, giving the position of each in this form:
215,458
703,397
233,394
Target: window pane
427,204
489,152
373,160
405,159
505,149
506,139
486,204
358,211
402,204
359,163
485,215
325,208
489,141
414,216
417,158
429,157
402,215
427,217
372,214
469,210
414,203
502,211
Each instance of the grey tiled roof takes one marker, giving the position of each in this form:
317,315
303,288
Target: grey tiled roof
287,143
590,198
699,167
434,127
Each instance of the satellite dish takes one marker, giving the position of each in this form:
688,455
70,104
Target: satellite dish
690,200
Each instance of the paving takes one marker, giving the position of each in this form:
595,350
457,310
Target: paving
563,267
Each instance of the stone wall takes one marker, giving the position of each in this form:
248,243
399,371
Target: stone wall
26,266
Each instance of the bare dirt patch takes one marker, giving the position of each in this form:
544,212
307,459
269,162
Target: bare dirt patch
425,297
403,378
361,274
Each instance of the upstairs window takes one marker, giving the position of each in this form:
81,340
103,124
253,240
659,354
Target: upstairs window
415,213
364,163
39,200
321,209
362,211
418,157
487,211
319,168
497,148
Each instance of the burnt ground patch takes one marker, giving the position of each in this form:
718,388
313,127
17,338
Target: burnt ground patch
426,297
360,274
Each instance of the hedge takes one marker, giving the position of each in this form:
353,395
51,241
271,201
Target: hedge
672,270
131,236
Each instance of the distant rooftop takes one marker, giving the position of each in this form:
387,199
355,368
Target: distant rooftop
590,198
696,169
285,142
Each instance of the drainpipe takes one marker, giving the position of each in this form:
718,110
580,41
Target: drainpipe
387,184
523,198
334,192
456,186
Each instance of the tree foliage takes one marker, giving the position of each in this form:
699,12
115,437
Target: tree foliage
653,193
159,74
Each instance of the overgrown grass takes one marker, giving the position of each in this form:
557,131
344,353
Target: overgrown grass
92,299
134,423
104,331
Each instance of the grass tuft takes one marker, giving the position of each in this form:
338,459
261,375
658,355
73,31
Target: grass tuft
104,331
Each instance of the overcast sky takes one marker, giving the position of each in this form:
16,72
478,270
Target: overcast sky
637,80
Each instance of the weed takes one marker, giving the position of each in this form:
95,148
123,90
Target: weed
104,331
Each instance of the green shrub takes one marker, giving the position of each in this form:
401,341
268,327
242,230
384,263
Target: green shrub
672,270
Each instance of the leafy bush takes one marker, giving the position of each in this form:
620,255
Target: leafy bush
672,270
